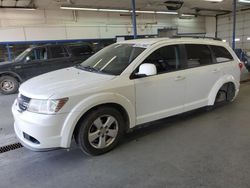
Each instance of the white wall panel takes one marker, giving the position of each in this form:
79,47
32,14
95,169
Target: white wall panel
63,25
81,32
225,26
12,34
45,33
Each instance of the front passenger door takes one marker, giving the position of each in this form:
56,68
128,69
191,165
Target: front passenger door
163,94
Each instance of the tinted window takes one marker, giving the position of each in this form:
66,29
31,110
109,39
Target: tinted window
198,55
37,54
221,54
166,59
81,50
57,52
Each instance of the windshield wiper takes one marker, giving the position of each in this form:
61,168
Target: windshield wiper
88,68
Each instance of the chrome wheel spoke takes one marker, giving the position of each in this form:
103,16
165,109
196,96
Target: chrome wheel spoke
109,122
93,136
98,123
102,142
112,133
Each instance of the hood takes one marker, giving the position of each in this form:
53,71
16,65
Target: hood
62,83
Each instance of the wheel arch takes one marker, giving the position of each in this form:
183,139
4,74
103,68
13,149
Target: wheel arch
13,74
219,84
89,104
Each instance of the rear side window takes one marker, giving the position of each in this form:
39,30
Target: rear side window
221,54
57,52
81,50
198,55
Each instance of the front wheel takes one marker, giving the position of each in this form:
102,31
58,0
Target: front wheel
8,85
100,131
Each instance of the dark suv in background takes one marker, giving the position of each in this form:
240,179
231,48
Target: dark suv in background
38,60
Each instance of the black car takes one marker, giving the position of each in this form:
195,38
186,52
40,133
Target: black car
38,60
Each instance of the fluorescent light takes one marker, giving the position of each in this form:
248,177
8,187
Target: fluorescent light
224,40
17,8
78,8
187,15
113,10
248,38
145,11
216,1
244,1
166,12
117,10
237,40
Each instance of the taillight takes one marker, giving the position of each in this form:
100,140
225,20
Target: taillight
241,65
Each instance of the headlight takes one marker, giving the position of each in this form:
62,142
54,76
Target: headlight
50,106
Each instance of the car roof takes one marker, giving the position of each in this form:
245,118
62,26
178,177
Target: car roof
68,44
151,41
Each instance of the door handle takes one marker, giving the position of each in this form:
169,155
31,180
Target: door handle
178,78
216,70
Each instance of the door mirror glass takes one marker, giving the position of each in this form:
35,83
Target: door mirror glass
147,69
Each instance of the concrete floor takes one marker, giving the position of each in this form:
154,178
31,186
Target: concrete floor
198,149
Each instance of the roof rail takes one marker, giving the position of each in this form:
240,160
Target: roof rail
196,37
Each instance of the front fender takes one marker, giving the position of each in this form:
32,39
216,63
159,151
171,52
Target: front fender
90,102
223,80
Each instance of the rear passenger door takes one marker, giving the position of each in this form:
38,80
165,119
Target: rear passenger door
202,73
163,94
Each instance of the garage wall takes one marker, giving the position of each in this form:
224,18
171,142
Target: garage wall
36,25
225,27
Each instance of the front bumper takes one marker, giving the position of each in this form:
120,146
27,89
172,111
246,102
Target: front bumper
44,129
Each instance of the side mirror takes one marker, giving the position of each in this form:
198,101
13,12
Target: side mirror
27,59
147,69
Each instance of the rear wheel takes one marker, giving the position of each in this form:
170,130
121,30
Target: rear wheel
8,85
225,95
100,131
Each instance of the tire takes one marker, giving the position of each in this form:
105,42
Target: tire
225,95
94,136
8,85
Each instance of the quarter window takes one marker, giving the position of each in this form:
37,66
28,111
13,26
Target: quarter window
198,55
166,59
221,54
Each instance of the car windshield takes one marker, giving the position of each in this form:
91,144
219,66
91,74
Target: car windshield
23,55
113,59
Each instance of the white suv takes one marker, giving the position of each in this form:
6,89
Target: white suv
124,85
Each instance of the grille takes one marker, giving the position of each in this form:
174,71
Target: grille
23,102
10,147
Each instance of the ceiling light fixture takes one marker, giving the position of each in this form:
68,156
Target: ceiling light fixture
166,12
117,10
214,1
113,10
19,8
244,1
78,8
237,40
